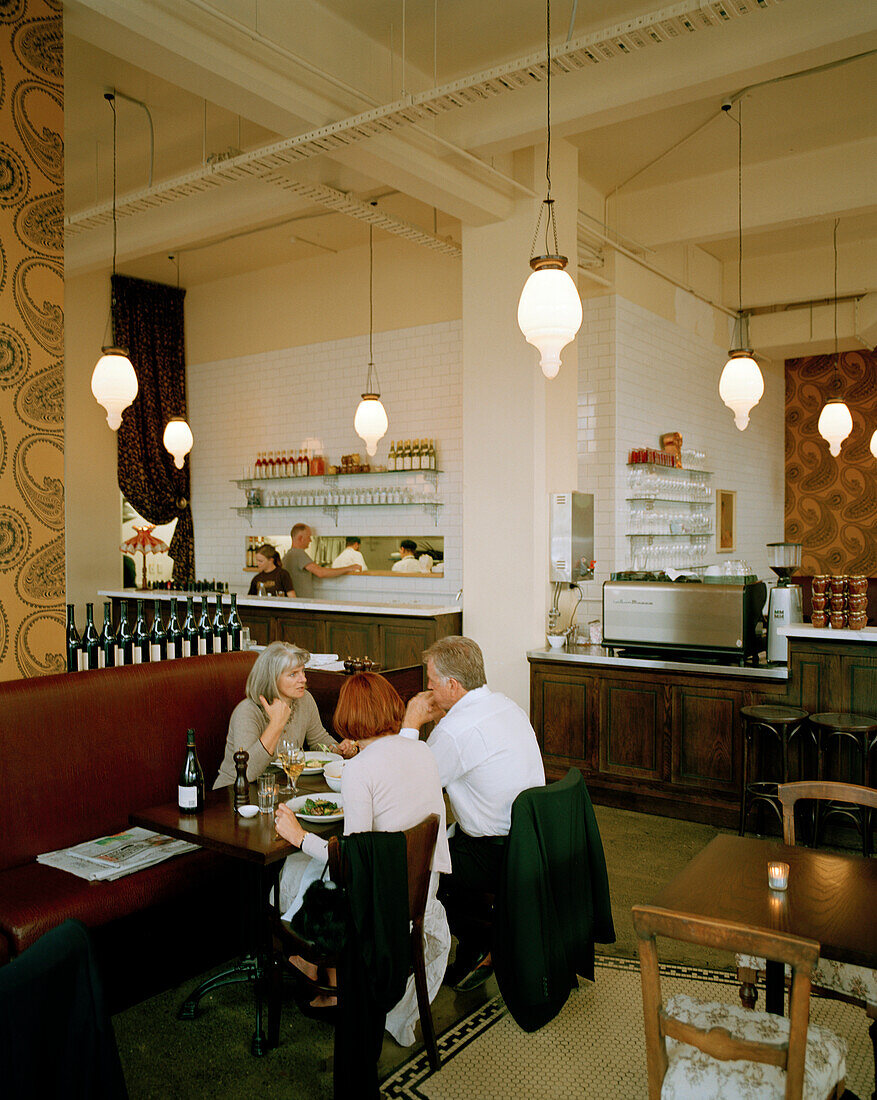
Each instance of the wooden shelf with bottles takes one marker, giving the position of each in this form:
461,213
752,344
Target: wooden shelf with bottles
328,479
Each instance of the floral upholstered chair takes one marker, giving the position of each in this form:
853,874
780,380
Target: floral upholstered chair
710,1051
842,981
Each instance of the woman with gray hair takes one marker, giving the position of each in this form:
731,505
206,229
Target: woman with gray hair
277,705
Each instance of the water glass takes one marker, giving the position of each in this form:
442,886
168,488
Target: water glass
266,788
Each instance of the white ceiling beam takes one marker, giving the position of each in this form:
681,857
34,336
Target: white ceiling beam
234,71
839,183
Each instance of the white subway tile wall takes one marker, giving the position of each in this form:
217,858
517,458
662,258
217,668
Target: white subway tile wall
641,375
276,400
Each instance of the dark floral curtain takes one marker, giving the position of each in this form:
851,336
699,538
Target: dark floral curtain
148,320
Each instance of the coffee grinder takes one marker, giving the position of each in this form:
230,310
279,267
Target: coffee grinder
785,605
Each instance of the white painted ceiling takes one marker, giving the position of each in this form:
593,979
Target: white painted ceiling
225,75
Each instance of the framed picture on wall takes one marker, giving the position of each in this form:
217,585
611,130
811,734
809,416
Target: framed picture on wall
726,520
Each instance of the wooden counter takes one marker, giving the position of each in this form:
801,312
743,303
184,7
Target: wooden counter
666,737
392,634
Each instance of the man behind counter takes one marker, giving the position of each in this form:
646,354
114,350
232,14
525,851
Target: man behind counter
302,568
351,554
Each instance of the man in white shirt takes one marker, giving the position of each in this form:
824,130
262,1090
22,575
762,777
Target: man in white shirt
407,562
350,555
487,753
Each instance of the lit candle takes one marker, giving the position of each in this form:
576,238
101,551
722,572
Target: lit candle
777,875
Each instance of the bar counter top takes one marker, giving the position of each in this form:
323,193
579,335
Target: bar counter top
296,603
601,655
828,634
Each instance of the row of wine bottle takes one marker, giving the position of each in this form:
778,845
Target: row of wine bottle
197,635
419,455
283,464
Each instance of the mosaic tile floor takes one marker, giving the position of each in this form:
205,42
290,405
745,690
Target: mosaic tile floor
594,1048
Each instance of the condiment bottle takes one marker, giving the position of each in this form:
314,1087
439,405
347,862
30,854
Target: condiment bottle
241,784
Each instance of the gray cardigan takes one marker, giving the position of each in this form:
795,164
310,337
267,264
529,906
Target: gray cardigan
247,724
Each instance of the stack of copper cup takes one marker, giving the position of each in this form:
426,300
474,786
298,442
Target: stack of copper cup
857,602
837,601
818,599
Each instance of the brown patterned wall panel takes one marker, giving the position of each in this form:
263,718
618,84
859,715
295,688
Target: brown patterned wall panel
31,338
831,503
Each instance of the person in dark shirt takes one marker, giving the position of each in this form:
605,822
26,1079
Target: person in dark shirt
272,579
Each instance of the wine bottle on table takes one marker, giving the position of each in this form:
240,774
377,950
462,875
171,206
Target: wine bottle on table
190,630
106,657
157,635
190,786
205,634
174,634
220,628
90,640
141,637
234,625
74,645
124,638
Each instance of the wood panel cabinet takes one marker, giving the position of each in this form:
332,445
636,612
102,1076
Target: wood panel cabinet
654,740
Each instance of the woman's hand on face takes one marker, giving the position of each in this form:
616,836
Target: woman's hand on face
347,748
277,711
287,825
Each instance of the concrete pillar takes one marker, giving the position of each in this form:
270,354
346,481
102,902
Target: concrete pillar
519,430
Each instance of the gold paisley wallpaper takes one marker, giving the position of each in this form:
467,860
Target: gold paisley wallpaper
831,503
31,338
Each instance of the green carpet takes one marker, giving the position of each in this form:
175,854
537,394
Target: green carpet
165,1058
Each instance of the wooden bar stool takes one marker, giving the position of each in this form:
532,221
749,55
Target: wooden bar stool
858,733
759,723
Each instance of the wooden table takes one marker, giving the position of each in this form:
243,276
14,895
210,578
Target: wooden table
831,898
251,840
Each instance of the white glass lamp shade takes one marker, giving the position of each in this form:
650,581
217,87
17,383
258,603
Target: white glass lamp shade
114,384
550,310
874,444
370,421
178,440
835,424
741,386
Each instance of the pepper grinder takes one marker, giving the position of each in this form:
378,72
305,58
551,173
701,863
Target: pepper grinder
241,784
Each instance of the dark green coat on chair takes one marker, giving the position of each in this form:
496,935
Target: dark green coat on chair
553,901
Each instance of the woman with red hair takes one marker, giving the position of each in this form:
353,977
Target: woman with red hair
390,785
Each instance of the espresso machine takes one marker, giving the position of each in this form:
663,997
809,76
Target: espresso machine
785,605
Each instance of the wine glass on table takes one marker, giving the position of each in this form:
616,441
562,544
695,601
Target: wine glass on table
292,759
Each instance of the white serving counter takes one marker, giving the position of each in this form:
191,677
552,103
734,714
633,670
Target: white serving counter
600,655
826,634
295,603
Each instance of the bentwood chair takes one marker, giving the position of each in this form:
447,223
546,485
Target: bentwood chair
840,981
420,844
704,1050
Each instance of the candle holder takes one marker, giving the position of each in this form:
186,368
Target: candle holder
777,875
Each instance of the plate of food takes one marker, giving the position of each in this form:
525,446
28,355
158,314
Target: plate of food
318,807
316,760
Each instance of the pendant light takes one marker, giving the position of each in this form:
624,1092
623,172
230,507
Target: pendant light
835,421
113,381
874,444
178,440
741,385
370,421
550,310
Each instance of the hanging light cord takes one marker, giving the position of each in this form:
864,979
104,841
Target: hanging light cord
371,386
836,371
548,201
739,121
110,97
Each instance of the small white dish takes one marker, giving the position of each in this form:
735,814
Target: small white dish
248,811
332,774
556,640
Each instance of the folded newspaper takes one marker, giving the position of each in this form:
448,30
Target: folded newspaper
112,857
